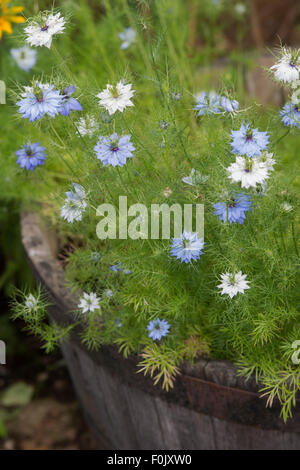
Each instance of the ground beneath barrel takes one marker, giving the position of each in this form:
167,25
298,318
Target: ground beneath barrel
38,407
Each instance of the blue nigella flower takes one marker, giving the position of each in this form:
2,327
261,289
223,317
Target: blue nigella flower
248,141
127,37
207,103
30,156
78,194
114,150
175,96
229,105
188,247
40,101
158,328
234,209
291,115
68,103
118,267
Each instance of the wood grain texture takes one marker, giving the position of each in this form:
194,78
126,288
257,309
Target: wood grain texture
209,408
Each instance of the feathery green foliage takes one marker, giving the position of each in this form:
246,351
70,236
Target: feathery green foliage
251,330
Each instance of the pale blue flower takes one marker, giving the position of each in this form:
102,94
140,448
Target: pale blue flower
229,105
233,210
40,101
248,141
127,37
175,96
291,115
118,267
114,150
188,247
207,103
78,194
68,103
25,57
157,329
30,156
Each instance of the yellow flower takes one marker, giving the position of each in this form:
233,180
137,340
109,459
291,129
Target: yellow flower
9,15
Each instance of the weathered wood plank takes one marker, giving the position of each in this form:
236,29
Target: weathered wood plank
234,436
90,402
145,419
113,398
185,429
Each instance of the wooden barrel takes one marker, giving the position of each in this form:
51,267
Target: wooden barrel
210,407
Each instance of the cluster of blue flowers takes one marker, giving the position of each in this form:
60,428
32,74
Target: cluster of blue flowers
115,150
39,101
211,103
245,141
118,268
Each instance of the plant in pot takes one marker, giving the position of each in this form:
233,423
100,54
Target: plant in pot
176,221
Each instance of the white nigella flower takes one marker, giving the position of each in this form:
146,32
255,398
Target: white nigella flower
41,33
31,302
261,189
167,192
195,178
74,204
116,98
87,126
25,57
30,89
267,160
250,171
89,302
288,68
287,207
127,37
232,284
108,293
